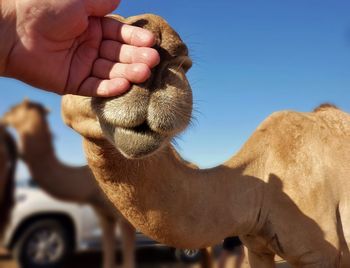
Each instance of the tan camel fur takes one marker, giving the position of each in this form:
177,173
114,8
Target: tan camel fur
75,184
285,192
8,160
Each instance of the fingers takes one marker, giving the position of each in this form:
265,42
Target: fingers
100,8
111,79
127,34
125,55
115,51
95,87
135,73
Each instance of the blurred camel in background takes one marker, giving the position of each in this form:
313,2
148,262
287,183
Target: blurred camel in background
8,160
286,192
74,184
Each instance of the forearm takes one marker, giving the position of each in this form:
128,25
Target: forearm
7,31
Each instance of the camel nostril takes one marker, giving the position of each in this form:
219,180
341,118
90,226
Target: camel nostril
185,63
181,50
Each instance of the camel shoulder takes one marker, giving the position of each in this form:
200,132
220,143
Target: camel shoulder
285,122
326,117
286,138
291,134
285,134
277,132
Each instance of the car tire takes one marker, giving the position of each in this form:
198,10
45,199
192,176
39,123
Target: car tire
43,244
188,255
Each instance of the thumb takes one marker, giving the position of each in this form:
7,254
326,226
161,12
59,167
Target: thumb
100,8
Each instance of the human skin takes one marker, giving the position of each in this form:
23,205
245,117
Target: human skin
69,46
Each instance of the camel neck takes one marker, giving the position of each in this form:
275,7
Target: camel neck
60,180
168,199
37,144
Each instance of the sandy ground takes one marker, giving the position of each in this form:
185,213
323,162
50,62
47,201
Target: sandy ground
146,258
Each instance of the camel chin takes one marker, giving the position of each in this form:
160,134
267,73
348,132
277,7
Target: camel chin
133,143
139,122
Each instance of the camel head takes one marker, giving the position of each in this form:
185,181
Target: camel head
18,116
139,122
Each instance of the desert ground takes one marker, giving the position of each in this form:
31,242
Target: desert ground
146,258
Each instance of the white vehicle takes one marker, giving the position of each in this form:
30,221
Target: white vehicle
44,231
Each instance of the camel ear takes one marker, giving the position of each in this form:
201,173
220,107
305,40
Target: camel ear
78,115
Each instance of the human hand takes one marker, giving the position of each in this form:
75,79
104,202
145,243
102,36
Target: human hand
67,46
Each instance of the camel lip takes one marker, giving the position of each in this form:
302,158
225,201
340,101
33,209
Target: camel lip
138,132
142,129
138,142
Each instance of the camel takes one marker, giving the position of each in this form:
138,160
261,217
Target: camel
8,160
74,184
285,192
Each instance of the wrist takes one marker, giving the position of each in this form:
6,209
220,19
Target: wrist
7,31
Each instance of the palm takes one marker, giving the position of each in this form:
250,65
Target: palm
59,42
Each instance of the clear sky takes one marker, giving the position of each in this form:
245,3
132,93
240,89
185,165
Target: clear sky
251,58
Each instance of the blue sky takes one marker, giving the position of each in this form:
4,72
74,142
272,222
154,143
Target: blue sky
251,58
